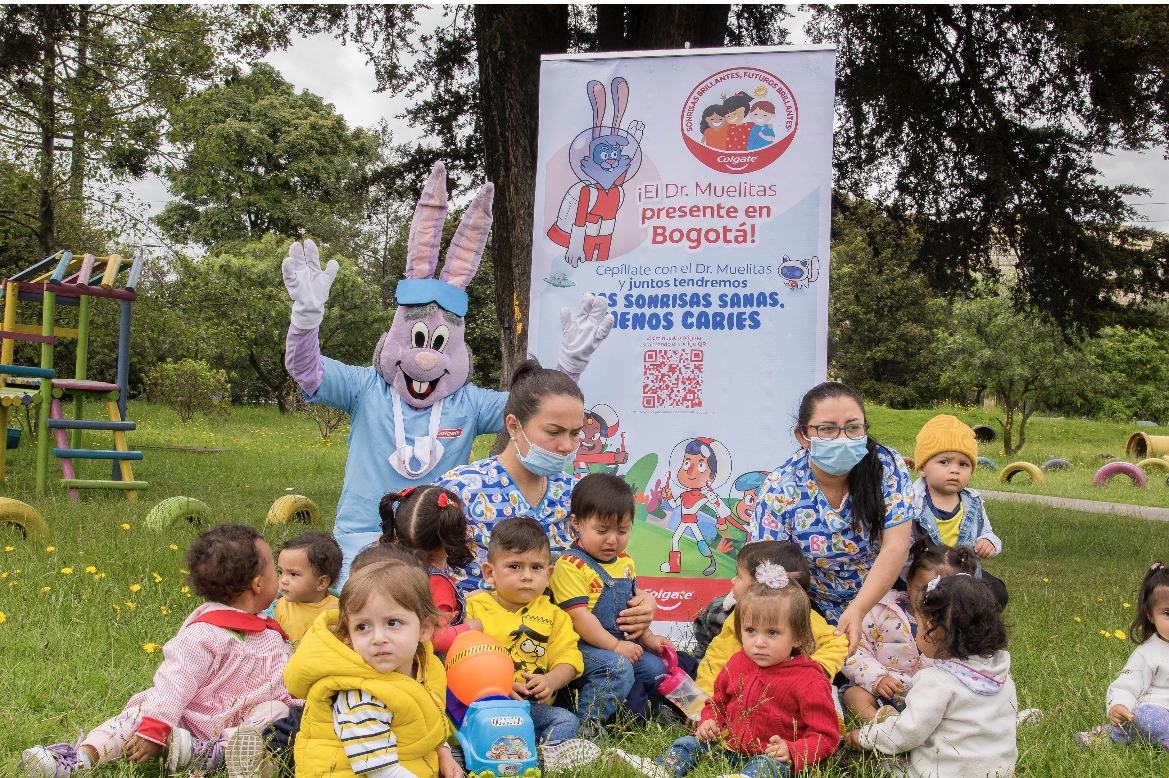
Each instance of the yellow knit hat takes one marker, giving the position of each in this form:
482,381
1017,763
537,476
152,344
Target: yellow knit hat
945,433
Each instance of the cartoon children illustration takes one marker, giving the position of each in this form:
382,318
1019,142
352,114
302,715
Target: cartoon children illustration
603,158
703,460
744,513
713,127
762,117
600,424
735,110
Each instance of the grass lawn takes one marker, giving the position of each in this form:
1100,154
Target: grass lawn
72,642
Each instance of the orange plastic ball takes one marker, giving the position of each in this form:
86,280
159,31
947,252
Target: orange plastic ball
478,665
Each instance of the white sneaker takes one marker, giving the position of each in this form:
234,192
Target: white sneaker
185,752
60,760
178,750
1028,717
246,755
565,755
644,765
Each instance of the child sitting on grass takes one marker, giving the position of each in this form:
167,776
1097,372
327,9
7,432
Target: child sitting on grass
220,682
430,521
309,564
372,687
592,581
948,511
830,650
1138,700
772,712
882,670
537,634
959,717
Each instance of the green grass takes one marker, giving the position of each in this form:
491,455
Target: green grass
69,658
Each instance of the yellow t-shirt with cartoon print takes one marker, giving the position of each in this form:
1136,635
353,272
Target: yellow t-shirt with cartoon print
574,583
538,636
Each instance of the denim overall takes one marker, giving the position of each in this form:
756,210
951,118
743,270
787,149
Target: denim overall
608,676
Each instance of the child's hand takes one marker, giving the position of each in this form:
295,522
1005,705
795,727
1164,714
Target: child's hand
1119,714
519,691
447,766
141,750
888,687
537,686
707,731
777,749
984,549
629,650
852,739
475,624
653,643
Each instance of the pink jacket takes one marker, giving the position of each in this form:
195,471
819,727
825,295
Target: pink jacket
211,677
887,646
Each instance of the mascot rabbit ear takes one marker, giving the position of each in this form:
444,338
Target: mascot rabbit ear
620,100
596,91
466,249
426,226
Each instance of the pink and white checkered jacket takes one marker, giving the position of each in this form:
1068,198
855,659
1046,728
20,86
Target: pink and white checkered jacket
887,646
211,677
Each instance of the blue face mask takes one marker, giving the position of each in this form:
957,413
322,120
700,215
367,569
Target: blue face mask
541,461
838,456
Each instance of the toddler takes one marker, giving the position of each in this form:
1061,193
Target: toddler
959,716
309,564
772,712
887,659
591,582
430,520
537,634
948,511
372,687
1138,701
830,650
220,681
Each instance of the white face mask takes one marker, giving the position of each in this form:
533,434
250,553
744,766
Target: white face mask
542,461
427,450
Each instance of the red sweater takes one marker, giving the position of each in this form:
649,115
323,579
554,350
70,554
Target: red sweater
792,699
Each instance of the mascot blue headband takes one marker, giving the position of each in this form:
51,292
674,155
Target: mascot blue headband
420,291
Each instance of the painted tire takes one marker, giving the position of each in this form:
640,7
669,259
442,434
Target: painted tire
25,518
1060,464
984,433
1011,470
175,509
1120,468
988,462
293,507
1155,463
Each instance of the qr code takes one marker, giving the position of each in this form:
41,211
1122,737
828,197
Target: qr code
672,378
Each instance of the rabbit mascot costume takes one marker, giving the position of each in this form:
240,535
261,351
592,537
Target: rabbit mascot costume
414,413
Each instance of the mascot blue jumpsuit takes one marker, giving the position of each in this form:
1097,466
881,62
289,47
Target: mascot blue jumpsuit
414,414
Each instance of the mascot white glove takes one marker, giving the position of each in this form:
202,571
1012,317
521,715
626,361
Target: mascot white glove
308,285
584,333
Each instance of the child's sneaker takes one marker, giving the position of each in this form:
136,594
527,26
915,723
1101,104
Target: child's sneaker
246,756
565,755
59,760
1029,717
642,764
1096,736
185,752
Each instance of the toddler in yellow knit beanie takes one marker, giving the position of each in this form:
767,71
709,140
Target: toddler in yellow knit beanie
945,433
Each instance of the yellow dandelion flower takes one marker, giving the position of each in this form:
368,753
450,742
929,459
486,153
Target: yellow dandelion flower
157,577
130,605
1120,635
3,575
66,571
116,608
1045,580
12,583
3,618
184,572
46,588
85,596
91,569
9,548
1105,633
135,588
125,526
164,610
16,572
185,589
1099,599
1127,605
150,648
1078,620
173,547
50,548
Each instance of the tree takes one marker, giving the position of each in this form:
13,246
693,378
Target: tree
1020,358
882,314
84,94
1134,370
256,158
982,120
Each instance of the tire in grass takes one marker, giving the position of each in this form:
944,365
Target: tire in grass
984,433
295,508
988,462
1013,469
1155,463
172,510
1120,468
1060,464
25,518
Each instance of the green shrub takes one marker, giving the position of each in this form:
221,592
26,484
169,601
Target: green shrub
190,386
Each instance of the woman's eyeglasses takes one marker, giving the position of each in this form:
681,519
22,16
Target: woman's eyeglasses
831,431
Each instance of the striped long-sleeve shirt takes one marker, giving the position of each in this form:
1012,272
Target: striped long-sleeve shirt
362,721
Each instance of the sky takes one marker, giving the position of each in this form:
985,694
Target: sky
340,75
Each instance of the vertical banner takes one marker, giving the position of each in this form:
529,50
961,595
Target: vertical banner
692,189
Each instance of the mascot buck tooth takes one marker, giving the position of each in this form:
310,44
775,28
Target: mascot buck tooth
414,414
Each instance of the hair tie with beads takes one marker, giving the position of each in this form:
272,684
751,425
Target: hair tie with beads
772,575
933,584
1156,566
445,502
402,495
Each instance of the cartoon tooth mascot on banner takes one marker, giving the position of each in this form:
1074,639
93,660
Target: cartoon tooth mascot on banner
414,412
705,466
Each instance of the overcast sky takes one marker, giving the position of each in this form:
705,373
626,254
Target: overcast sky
340,75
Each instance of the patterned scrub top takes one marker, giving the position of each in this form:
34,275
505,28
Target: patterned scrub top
489,495
790,506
